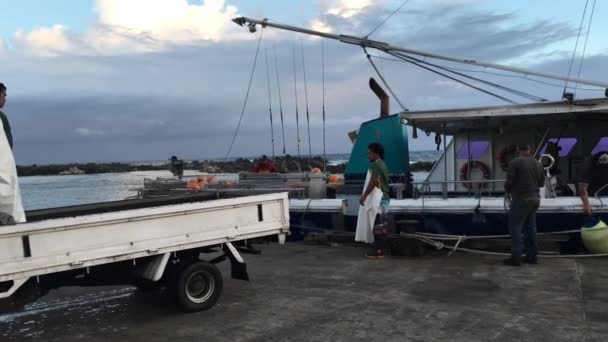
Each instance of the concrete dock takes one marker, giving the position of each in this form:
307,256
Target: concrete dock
317,293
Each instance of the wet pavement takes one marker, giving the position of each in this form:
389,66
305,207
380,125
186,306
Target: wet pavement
317,293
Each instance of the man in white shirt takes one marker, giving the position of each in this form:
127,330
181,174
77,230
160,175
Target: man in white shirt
11,208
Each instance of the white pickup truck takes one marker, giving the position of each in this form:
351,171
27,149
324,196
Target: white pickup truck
147,247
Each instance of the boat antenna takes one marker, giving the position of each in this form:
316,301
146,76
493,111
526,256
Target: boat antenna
269,103
306,101
238,126
387,18
578,36
323,100
580,66
276,68
295,90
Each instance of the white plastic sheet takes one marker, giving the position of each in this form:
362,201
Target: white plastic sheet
367,213
10,196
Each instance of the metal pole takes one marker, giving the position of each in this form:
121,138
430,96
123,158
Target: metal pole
445,163
363,42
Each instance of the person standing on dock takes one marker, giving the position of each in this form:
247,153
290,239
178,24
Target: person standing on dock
11,208
594,178
375,198
525,177
5,124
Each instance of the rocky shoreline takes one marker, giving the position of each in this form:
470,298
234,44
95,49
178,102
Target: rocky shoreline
288,163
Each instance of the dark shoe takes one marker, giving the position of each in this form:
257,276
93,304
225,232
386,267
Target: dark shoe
511,262
376,254
531,260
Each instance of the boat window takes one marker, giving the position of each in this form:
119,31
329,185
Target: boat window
602,145
473,150
565,145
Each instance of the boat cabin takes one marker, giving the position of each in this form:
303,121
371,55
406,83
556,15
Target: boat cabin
483,141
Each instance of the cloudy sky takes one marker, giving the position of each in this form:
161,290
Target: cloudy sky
119,80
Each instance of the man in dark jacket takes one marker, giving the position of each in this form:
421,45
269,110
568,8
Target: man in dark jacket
594,179
525,177
3,118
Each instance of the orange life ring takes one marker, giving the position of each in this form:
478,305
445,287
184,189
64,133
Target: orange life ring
507,154
475,164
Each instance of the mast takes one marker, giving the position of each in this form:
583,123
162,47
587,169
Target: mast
382,46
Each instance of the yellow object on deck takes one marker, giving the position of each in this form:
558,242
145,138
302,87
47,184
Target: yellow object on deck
595,238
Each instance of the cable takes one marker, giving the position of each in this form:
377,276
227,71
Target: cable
276,67
496,74
369,58
387,18
457,80
269,103
580,66
323,102
295,90
576,45
255,63
492,84
306,100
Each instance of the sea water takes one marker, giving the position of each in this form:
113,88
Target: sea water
39,192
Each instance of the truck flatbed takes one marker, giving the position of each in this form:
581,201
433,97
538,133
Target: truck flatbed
146,245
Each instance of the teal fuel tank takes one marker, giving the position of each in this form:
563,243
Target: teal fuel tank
391,132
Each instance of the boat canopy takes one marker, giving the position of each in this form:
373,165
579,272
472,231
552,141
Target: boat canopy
499,117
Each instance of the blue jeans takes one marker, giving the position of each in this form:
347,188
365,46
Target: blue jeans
523,215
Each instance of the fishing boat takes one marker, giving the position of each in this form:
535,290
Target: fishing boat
464,192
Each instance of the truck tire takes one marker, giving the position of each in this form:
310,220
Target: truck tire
198,286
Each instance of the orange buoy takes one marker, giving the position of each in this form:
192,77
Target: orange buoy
194,184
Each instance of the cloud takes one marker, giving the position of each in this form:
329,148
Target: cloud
87,132
348,8
44,41
147,88
321,26
136,26
175,20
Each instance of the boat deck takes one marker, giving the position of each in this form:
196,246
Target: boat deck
315,293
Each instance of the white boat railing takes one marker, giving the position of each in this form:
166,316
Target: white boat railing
476,188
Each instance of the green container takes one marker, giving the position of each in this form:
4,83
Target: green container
595,238
389,131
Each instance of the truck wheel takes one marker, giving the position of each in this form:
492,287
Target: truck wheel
197,286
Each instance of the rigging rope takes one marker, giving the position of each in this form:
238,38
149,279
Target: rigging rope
306,100
369,58
576,45
255,63
492,84
323,102
295,90
580,66
387,18
455,79
276,67
525,77
269,103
